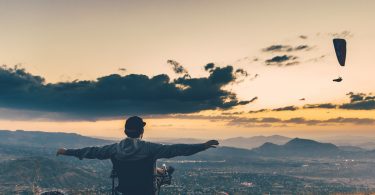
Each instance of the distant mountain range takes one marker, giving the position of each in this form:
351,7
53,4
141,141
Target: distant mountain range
73,140
28,157
298,147
56,140
253,142
237,142
358,142
30,143
48,139
365,142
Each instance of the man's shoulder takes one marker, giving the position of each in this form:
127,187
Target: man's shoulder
147,142
138,141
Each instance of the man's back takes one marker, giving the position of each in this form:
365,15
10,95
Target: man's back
135,158
135,177
130,149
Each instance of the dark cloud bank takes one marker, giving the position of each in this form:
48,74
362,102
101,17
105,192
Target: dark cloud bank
284,55
178,68
357,101
286,48
286,108
255,122
232,120
283,60
115,96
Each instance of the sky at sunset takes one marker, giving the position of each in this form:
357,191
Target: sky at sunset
192,69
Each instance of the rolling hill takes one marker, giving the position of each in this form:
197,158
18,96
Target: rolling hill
48,139
28,158
299,147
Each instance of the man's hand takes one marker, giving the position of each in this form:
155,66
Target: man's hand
211,144
60,151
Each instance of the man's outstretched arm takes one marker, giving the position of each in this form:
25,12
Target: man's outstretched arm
104,152
169,151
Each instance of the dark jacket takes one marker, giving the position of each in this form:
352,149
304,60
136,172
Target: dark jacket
130,149
131,155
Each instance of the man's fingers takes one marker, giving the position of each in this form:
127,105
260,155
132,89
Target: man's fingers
211,144
214,142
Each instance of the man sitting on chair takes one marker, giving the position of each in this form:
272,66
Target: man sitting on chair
134,159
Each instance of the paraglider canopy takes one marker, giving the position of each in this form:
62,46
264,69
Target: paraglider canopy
340,48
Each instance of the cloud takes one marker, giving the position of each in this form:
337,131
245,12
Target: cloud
213,118
258,111
363,105
251,122
253,99
209,67
317,59
359,101
302,47
288,53
115,96
358,121
326,105
242,72
283,60
301,120
21,115
278,48
270,120
178,68
232,113
287,108
234,119
286,48
253,77
343,34
338,120
356,97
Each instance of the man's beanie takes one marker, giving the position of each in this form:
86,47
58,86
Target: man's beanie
134,124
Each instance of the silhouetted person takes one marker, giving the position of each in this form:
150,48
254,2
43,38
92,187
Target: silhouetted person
134,159
338,79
